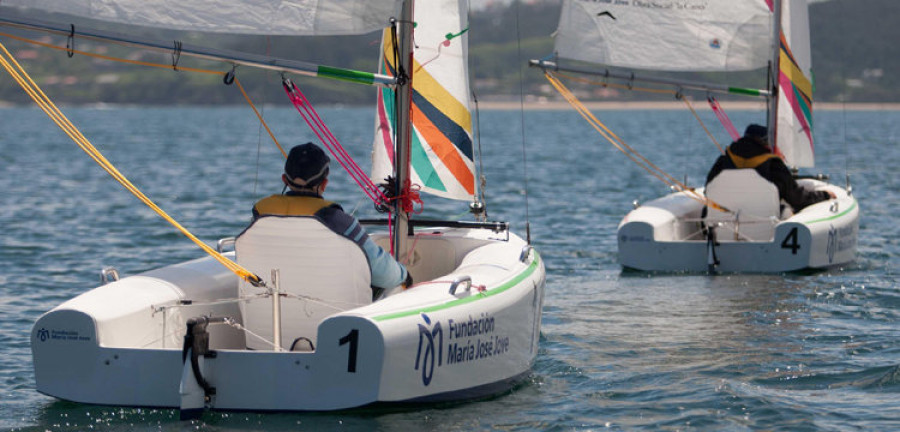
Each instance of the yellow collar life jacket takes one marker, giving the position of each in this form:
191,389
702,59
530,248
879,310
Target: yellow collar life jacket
753,162
286,205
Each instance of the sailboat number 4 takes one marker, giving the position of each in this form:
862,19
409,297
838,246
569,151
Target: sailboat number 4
353,339
790,242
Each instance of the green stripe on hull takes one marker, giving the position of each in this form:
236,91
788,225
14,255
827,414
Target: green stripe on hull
835,216
513,282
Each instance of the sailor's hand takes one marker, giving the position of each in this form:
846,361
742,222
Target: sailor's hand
831,194
408,282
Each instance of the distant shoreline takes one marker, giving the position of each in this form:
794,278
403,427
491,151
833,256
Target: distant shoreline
698,105
606,106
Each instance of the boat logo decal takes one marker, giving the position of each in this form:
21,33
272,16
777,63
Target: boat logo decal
427,335
832,244
840,240
44,335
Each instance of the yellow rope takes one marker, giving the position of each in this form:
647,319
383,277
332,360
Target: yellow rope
43,101
646,90
620,144
261,120
156,65
703,125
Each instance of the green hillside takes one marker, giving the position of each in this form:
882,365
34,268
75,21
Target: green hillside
854,54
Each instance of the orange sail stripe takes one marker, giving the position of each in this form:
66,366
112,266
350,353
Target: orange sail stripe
444,149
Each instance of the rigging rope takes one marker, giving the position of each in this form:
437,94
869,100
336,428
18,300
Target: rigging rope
522,125
30,87
631,87
105,57
324,134
703,125
409,196
631,153
260,117
723,118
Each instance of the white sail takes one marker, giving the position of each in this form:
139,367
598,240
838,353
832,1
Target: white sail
793,134
441,159
683,35
270,17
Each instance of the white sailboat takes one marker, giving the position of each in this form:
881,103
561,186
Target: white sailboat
179,336
746,230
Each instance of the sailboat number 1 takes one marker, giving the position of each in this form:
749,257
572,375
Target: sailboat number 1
353,339
790,242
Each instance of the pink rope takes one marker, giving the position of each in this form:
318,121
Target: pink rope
325,136
723,118
334,146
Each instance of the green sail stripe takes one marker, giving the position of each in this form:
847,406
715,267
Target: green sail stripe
804,107
472,298
423,167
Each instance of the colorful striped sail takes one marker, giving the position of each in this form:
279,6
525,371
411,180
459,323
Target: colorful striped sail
441,154
793,136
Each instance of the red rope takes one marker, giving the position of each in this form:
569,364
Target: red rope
409,198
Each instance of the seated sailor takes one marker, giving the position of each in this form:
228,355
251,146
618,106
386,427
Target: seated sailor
753,151
326,261
305,178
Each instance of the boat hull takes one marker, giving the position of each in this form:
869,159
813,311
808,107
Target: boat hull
121,343
666,235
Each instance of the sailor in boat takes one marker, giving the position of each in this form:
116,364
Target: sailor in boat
753,151
305,179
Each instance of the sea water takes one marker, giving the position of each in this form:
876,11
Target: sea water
619,350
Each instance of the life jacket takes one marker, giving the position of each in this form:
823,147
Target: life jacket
291,205
751,162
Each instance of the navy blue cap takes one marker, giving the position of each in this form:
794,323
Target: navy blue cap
306,165
755,130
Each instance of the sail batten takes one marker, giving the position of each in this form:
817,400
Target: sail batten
263,17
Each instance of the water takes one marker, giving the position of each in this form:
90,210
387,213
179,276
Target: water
619,350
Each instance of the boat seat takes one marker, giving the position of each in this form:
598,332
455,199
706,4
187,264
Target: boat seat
753,201
321,273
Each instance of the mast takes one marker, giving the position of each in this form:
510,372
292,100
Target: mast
775,73
404,124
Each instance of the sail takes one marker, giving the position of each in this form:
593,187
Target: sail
683,35
270,17
793,134
441,159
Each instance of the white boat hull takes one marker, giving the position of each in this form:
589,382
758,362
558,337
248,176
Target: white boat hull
665,235
121,343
